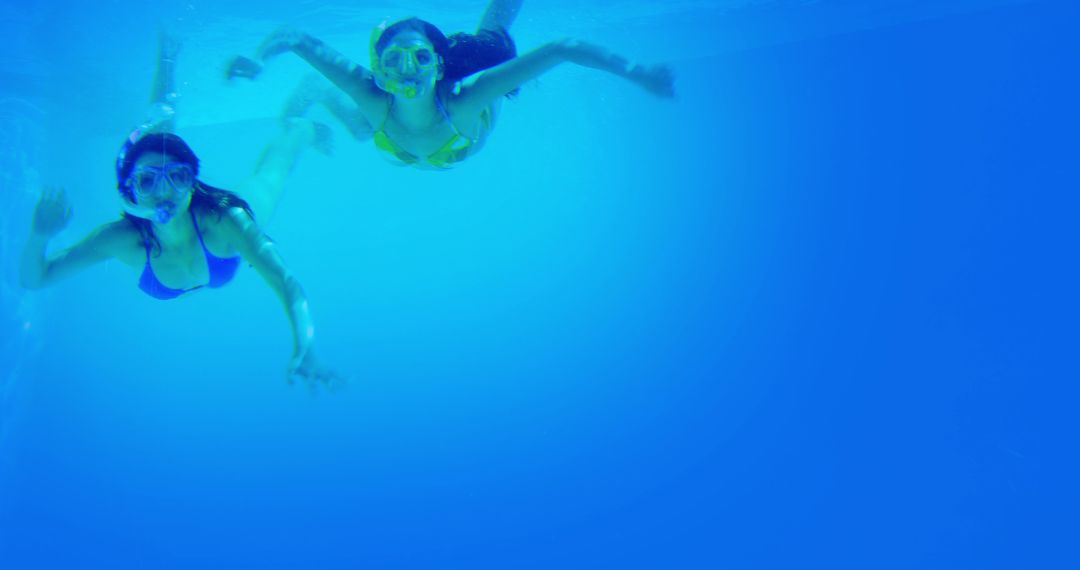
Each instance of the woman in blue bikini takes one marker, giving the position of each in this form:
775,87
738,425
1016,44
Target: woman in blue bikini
181,233
430,101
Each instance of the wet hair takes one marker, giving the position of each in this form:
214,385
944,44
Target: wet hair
462,54
204,197
473,53
427,29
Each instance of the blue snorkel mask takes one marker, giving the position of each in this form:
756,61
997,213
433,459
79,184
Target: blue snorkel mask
160,192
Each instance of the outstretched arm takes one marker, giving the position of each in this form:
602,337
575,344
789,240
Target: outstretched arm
350,77
37,271
504,78
248,239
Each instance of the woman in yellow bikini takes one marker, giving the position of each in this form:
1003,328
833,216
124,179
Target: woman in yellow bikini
425,98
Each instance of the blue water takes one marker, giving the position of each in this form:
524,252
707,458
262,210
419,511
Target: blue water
818,312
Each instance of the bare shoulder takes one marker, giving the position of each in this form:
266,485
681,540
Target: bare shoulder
220,221
119,239
244,235
368,96
116,235
466,106
239,219
224,231
234,226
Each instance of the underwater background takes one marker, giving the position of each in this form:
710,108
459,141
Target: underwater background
818,311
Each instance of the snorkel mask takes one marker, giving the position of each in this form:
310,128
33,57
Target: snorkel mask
160,192
421,63
156,193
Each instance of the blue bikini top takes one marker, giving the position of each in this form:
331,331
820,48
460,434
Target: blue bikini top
222,270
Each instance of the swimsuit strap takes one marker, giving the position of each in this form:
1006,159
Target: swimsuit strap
386,117
384,142
198,232
221,269
446,115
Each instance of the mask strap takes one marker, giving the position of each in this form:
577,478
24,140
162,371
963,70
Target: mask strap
375,35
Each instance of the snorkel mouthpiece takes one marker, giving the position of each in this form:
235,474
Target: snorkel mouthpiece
406,89
409,88
164,212
161,213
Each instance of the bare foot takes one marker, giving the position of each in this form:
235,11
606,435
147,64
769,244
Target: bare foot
168,46
241,66
319,135
657,79
323,141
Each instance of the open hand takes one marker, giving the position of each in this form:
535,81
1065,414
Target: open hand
52,213
307,368
656,79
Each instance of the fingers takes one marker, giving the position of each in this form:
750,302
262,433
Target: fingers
55,193
664,78
64,206
54,197
52,212
327,380
334,382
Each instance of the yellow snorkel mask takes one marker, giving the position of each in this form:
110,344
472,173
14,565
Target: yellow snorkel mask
406,70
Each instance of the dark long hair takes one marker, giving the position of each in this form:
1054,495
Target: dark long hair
204,198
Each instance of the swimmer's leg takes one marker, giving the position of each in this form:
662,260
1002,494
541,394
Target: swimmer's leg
348,112
315,90
500,14
163,95
263,190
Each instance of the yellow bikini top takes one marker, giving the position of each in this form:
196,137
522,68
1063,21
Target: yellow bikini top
457,149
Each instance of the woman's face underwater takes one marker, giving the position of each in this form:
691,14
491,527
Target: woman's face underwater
408,65
162,186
